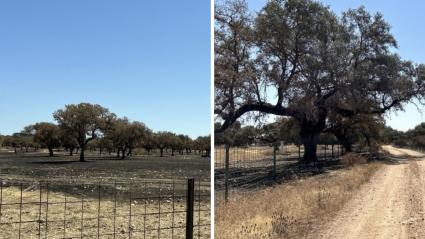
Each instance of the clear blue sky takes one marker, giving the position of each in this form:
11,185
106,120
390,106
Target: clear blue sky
147,60
406,19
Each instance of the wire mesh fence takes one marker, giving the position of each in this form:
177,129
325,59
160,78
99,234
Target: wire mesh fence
260,156
136,209
244,168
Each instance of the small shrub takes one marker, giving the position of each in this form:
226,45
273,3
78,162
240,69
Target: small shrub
351,159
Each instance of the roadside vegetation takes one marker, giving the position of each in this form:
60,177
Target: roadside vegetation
292,209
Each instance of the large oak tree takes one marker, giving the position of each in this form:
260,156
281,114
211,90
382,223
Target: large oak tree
296,58
86,121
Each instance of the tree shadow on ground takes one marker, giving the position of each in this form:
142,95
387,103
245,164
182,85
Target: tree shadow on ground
250,178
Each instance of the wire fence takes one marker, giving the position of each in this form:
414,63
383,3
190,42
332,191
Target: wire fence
244,168
136,209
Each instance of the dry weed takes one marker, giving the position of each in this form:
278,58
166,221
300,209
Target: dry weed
351,159
289,210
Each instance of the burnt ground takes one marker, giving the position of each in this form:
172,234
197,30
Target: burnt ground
62,171
40,166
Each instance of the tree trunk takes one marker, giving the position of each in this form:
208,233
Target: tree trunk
310,140
50,152
161,150
346,143
123,153
172,152
82,154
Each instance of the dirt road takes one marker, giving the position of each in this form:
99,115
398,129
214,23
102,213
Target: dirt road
391,205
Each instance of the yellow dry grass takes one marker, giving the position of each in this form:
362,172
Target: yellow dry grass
145,220
289,210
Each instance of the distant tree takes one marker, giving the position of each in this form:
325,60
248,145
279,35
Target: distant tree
176,144
203,143
148,142
46,134
351,130
186,143
136,132
104,143
414,137
236,135
125,135
68,141
164,139
86,122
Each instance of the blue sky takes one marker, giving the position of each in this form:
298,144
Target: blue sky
147,60
406,19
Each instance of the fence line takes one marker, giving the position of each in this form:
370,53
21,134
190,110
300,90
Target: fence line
238,167
138,209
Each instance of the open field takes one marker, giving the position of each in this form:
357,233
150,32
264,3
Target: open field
37,166
142,197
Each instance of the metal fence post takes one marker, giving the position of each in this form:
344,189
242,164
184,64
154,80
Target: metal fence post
299,152
226,173
189,207
275,148
338,148
326,146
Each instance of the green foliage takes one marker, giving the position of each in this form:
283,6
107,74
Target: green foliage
46,134
85,120
91,126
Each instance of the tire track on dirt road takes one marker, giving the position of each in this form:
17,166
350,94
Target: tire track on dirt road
389,206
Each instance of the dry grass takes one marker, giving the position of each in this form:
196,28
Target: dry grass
237,153
290,210
351,159
145,219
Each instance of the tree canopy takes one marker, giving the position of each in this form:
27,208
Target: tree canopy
88,126
296,58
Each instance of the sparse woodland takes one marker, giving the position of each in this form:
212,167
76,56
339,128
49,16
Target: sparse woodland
92,127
